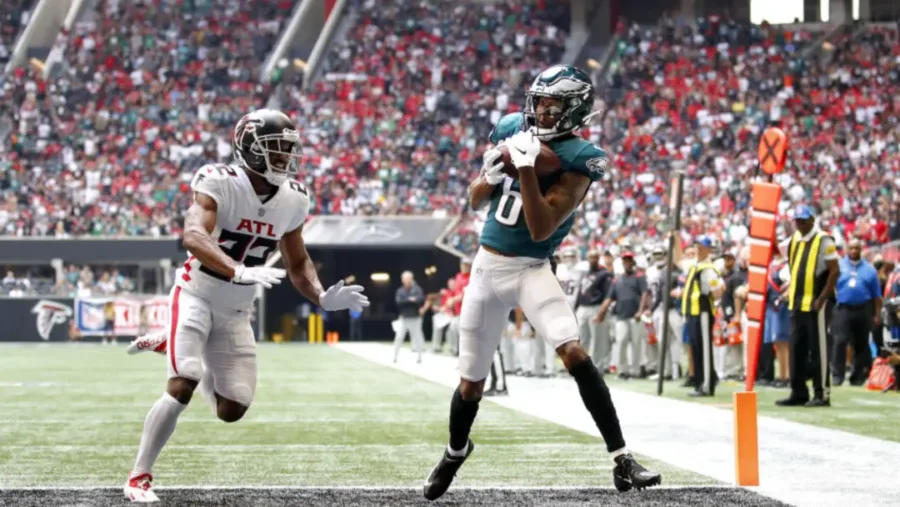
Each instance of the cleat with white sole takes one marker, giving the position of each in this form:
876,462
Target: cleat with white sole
139,489
152,341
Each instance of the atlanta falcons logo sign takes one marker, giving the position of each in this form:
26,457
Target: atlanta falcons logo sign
49,314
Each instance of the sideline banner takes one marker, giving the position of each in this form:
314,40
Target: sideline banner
134,315
42,319
35,319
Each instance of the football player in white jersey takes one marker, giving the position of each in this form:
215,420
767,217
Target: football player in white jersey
570,276
240,215
570,280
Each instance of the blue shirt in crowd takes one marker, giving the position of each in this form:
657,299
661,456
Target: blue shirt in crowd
858,283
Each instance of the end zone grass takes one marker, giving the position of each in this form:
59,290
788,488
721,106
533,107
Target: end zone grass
71,415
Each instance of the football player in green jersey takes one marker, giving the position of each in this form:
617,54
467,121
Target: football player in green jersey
527,220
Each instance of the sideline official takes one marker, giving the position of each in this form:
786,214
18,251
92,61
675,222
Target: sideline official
858,310
813,272
702,288
595,285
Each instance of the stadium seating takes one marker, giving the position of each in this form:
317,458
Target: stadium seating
13,17
400,114
704,106
146,93
408,98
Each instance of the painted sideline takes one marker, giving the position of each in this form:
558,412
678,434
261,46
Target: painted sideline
800,464
345,488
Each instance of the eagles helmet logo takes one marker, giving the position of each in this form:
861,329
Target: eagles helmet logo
598,165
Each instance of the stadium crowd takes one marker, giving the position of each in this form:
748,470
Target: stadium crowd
399,117
147,92
698,96
407,99
83,281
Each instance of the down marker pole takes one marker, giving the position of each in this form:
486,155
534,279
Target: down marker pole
772,154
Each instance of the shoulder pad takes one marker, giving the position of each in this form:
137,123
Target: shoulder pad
217,171
296,186
302,198
508,126
212,180
590,160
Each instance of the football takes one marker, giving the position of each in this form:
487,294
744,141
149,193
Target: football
547,162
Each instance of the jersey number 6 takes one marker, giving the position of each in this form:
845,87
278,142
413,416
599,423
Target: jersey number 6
510,205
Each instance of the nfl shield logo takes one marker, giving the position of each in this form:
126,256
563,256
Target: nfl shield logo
262,212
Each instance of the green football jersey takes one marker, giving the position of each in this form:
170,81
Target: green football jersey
505,229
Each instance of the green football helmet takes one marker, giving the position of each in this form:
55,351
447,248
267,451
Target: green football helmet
567,83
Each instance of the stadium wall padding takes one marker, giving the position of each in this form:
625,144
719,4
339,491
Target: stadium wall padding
41,319
90,250
35,319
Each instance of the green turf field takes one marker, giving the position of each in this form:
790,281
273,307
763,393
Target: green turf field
71,415
853,409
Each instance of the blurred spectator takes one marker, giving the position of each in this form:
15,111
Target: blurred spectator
82,282
148,92
14,16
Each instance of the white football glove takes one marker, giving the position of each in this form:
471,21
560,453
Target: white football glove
338,297
267,277
492,168
523,149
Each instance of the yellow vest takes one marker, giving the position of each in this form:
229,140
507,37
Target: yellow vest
692,300
803,256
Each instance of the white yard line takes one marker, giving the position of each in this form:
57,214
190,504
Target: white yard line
340,488
293,447
800,464
13,405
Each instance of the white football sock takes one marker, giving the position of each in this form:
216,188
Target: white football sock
619,452
460,453
158,427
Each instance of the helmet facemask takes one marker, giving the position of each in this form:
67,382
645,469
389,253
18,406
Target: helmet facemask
575,95
275,157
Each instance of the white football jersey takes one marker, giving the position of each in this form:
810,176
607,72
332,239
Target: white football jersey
248,229
570,280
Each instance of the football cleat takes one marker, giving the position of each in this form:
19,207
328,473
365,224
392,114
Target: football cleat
628,473
140,490
442,474
152,341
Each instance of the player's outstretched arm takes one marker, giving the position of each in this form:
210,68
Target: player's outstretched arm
199,222
303,276
299,265
544,213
